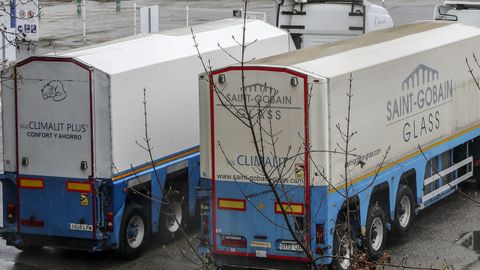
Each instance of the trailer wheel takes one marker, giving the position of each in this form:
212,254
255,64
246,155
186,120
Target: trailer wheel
172,216
404,211
476,175
134,232
344,247
376,232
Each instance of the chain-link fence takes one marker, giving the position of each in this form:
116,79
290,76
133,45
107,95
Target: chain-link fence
63,26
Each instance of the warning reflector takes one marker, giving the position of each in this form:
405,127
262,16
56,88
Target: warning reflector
231,204
79,186
290,208
31,183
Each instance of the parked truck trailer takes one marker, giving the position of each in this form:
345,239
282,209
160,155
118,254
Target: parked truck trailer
411,93
75,173
467,12
312,22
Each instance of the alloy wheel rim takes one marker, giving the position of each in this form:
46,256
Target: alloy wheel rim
405,211
376,234
135,231
176,215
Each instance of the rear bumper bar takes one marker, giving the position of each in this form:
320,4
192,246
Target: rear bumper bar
13,239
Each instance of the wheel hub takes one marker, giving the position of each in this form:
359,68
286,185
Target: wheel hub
376,234
135,231
174,218
346,251
405,211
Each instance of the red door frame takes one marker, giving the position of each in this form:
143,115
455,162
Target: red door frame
306,156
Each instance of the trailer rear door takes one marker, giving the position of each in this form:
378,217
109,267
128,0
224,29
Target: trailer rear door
247,216
54,147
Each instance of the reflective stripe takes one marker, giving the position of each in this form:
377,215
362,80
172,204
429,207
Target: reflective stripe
231,204
31,183
290,208
79,186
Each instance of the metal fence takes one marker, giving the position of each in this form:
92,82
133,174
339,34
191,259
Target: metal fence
62,27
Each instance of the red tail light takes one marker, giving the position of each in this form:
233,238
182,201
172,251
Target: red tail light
110,221
234,241
319,239
11,212
32,222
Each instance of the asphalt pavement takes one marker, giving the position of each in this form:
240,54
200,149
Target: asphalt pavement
440,235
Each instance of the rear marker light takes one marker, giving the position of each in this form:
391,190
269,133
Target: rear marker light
31,222
231,204
290,208
25,161
294,81
233,241
319,239
110,221
221,78
83,165
11,212
31,183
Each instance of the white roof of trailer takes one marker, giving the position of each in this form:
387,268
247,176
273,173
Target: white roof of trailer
148,49
346,56
468,3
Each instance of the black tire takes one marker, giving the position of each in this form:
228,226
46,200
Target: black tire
376,225
133,222
343,239
403,219
476,175
172,217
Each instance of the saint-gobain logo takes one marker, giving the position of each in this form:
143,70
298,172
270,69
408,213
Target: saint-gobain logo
418,106
422,89
260,88
420,76
54,89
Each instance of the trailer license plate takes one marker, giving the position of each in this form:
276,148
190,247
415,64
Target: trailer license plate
286,245
81,227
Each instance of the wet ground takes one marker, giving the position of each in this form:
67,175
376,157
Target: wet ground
443,233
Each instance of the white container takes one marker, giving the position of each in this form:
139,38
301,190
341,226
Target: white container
410,87
80,113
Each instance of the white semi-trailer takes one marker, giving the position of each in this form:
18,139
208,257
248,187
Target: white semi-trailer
75,175
412,93
467,12
312,22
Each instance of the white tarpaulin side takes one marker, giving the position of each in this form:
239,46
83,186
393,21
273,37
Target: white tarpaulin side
410,87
